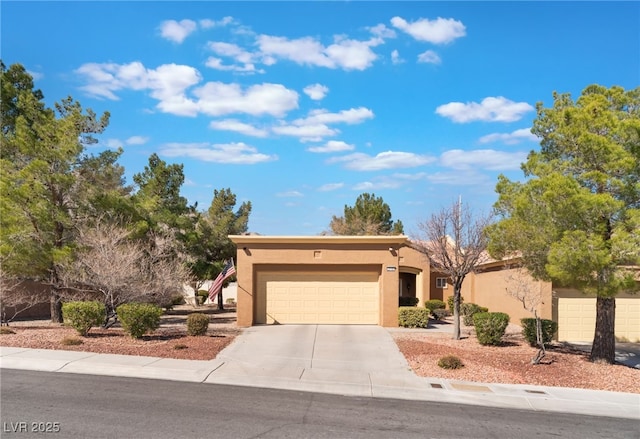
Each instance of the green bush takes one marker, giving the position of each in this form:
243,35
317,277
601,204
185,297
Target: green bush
549,328
450,362
408,301
202,296
413,317
139,318
82,316
440,314
467,310
490,327
434,304
450,303
197,323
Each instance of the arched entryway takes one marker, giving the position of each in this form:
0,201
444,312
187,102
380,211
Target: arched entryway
410,285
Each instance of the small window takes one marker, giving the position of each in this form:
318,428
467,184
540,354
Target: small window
441,282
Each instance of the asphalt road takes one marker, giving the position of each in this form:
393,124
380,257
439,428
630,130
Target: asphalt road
54,405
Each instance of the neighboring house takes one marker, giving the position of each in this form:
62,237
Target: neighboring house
359,279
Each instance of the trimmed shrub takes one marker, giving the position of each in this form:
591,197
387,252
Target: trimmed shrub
408,301
434,304
139,318
82,316
202,296
413,317
467,310
490,327
450,362
180,346
549,328
230,301
197,323
440,314
6,331
450,303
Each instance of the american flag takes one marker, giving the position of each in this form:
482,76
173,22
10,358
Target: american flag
216,286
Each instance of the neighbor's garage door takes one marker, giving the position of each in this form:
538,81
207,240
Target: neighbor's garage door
577,319
318,298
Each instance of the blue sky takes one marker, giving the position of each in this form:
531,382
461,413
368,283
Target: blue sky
299,107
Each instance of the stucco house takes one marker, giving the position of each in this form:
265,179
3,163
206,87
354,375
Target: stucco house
359,280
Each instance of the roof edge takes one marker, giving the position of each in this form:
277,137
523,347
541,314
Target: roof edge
265,239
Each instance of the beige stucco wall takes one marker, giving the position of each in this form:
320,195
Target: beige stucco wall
269,253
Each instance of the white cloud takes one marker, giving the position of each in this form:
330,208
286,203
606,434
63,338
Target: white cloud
429,57
382,31
512,138
238,127
112,143
217,64
169,84
316,91
208,24
332,146
491,109
351,116
376,185
394,181
395,57
217,98
438,31
228,153
136,140
290,194
344,53
306,132
488,159
330,187
384,160
177,31
231,50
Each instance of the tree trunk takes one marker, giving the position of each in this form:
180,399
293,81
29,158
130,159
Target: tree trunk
56,307
220,299
604,340
456,312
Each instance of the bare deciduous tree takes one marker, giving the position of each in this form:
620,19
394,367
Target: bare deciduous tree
455,242
124,270
16,297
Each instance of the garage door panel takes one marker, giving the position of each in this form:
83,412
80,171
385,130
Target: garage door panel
577,319
329,298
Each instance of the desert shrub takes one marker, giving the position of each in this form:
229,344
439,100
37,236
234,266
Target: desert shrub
440,314
139,318
180,346
413,317
434,304
197,323
468,310
549,328
71,341
450,362
82,316
490,327
202,296
5,330
230,301
450,303
408,301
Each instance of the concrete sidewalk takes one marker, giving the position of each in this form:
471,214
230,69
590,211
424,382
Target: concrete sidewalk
347,360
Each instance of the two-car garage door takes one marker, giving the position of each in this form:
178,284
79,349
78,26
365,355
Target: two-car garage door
317,298
577,319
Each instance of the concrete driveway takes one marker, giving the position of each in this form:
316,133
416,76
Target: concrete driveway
347,359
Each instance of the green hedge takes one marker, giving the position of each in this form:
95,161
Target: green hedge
434,304
468,310
82,316
450,302
139,318
197,323
413,317
408,301
490,327
549,328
